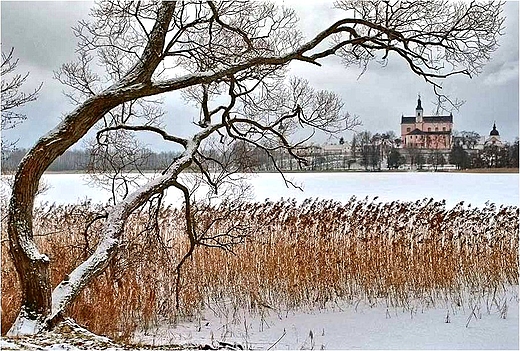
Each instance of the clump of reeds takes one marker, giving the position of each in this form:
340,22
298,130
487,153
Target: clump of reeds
304,255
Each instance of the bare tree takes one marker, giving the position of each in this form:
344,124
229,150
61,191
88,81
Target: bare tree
12,96
470,139
230,59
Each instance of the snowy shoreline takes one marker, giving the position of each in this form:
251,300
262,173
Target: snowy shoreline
484,322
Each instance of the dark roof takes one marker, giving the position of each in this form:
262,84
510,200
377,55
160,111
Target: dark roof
494,131
428,119
419,107
437,119
416,132
437,132
407,120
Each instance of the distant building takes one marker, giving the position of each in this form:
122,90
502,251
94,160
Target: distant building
336,148
426,132
494,137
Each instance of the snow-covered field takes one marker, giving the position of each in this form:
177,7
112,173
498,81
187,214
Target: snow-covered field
479,325
388,186
452,187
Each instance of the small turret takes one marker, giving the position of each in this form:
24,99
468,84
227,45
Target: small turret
494,131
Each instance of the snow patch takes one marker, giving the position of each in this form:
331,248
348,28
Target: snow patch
24,325
6,345
67,336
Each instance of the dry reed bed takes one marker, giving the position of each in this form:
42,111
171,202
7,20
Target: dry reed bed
305,255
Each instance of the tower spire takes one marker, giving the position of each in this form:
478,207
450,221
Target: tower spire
419,111
494,131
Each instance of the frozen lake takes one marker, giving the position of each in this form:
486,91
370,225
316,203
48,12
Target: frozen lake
471,188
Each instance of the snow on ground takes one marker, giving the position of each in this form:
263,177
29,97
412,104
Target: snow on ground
67,336
471,188
483,324
360,326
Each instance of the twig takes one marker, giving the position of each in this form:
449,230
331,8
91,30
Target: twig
277,341
472,314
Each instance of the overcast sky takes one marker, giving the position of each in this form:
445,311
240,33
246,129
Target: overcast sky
42,37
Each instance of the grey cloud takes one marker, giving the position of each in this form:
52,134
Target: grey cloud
41,31
43,40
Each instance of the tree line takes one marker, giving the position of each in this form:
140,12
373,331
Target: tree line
83,160
491,156
366,151
374,152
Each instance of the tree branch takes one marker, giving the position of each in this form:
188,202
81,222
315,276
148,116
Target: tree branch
152,129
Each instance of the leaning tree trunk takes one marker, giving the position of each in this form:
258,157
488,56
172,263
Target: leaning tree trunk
32,266
39,309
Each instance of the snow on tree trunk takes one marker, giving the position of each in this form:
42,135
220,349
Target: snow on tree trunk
32,266
68,289
25,324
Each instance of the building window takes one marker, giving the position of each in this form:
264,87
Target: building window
436,129
443,129
408,130
429,129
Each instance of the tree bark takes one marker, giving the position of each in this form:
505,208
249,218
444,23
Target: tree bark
32,266
67,290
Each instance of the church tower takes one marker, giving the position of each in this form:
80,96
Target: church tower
426,132
419,111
